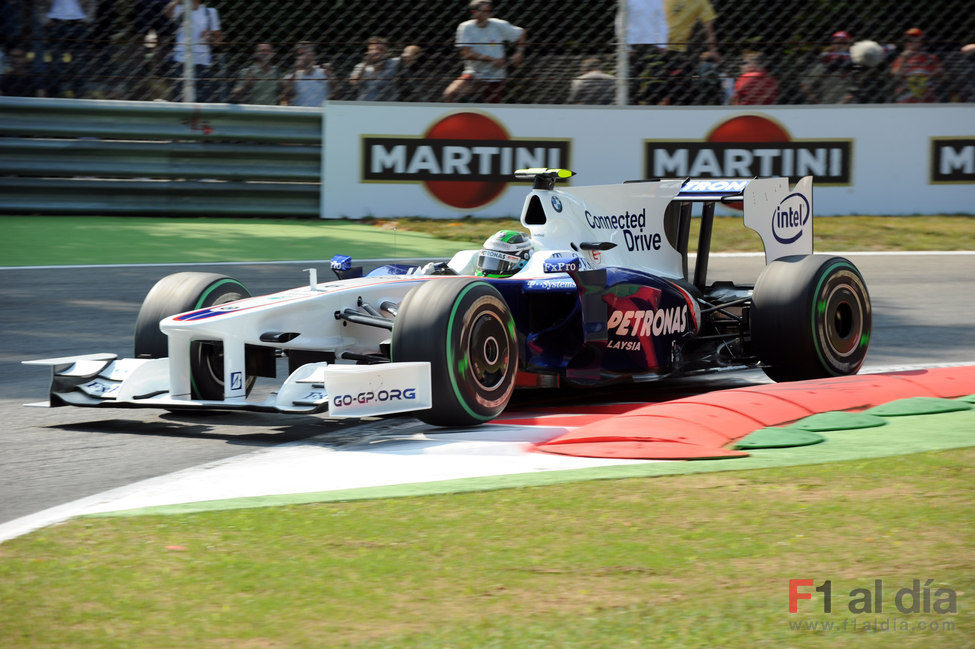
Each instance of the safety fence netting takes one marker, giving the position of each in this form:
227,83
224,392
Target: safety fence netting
637,52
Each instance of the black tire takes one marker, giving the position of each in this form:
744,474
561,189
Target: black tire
810,318
465,330
179,293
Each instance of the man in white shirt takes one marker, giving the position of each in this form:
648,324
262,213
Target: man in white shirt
308,84
206,33
481,42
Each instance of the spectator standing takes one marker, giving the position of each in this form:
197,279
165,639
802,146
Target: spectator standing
682,17
153,85
593,86
964,76
413,79
646,23
205,35
374,76
67,41
709,86
828,80
260,82
308,84
870,81
150,16
481,43
916,73
666,76
646,39
755,85
13,27
19,80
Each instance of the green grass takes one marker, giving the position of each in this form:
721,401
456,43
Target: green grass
682,561
56,240
830,233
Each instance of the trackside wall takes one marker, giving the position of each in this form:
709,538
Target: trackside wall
77,156
440,160
66,156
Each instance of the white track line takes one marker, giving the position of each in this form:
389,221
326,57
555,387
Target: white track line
403,453
399,452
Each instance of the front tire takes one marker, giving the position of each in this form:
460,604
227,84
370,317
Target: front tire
179,293
465,330
810,318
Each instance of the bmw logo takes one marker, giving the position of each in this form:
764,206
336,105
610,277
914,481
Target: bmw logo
556,203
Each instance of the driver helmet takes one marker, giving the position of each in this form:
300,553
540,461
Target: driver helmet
503,254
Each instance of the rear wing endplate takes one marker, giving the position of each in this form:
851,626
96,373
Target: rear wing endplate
781,217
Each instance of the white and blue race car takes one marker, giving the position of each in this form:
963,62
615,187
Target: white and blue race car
607,292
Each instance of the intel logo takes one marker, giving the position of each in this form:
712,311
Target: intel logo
790,218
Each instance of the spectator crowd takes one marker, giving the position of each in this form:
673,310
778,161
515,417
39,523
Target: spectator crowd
56,48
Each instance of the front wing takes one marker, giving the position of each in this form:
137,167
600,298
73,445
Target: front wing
104,380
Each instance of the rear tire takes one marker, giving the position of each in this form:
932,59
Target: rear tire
179,293
810,318
465,330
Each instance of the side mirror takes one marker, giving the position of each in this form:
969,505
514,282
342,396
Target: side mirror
597,245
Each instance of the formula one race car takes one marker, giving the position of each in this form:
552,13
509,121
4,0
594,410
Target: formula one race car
600,290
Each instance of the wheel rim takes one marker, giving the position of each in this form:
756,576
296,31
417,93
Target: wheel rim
843,320
488,351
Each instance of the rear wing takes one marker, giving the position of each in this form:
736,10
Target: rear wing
645,224
782,218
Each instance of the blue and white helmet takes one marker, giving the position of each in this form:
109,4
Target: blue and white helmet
504,254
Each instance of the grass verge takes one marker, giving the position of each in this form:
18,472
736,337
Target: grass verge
680,561
729,235
56,240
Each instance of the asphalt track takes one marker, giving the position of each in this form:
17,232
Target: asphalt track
924,305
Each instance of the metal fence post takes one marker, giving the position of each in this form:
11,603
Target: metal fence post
189,71
622,56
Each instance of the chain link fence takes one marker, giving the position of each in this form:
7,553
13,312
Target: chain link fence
677,52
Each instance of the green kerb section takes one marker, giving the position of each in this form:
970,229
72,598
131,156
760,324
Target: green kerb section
774,437
901,436
838,420
917,406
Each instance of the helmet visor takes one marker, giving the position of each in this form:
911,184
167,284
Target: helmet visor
493,263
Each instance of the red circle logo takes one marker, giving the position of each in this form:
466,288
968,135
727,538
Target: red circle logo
466,194
748,128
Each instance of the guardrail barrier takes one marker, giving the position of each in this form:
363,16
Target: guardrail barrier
69,156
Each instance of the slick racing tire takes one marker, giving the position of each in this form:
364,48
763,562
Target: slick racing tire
465,330
810,318
179,293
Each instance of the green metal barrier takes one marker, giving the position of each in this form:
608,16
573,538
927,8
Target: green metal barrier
70,156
